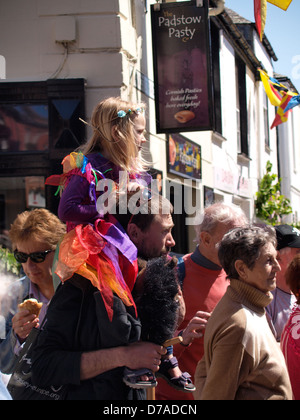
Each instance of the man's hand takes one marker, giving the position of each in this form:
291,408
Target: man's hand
135,356
144,355
195,327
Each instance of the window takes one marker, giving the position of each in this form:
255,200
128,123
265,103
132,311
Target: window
238,112
132,13
39,126
295,143
66,123
266,120
241,107
18,194
41,118
23,127
215,54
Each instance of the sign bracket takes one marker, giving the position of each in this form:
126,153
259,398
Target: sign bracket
156,6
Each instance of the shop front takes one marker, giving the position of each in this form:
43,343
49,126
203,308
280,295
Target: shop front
39,125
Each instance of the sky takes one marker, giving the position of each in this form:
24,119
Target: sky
283,32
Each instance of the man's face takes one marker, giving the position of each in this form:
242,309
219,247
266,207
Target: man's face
284,257
209,245
157,240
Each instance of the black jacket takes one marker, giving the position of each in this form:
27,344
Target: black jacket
77,322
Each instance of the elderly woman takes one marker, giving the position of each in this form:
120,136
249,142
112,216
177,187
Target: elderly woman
34,236
242,360
290,339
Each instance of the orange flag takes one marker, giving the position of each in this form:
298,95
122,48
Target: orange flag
282,116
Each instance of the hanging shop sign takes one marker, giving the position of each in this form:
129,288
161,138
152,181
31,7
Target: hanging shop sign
231,182
184,157
182,67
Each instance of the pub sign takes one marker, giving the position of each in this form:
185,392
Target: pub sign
182,67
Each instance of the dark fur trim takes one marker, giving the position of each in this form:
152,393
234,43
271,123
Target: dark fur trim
157,306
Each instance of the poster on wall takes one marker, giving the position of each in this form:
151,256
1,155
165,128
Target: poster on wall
209,196
35,191
184,157
183,95
157,180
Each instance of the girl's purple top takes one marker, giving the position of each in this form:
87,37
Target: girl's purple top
76,204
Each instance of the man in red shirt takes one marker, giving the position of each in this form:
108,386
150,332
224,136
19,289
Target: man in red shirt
204,284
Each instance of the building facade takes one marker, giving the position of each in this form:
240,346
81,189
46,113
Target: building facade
62,57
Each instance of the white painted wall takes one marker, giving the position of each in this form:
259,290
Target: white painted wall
111,42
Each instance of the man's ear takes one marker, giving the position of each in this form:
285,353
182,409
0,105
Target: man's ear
134,233
205,239
241,269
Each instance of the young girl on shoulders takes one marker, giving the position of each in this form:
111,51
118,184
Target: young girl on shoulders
114,149
94,247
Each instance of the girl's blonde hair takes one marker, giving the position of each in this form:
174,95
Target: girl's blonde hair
121,147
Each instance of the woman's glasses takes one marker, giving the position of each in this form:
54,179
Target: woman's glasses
36,257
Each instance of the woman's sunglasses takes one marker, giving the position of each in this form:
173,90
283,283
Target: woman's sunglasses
36,257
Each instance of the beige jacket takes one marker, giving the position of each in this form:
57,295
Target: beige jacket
242,360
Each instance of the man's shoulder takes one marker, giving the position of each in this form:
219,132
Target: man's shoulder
77,284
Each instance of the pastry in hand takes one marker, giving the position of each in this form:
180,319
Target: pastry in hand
31,305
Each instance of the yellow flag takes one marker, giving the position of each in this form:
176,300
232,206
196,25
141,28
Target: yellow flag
273,94
274,89
282,4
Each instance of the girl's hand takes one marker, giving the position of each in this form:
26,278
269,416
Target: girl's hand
133,186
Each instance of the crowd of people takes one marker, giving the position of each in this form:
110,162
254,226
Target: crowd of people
113,297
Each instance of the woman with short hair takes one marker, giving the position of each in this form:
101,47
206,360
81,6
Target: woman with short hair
242,360
34,235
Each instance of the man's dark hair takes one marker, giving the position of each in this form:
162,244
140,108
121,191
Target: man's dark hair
145,212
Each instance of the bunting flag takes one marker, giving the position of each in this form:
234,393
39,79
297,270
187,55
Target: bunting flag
295,101
279,96
282,4
273,88
282,115
260,13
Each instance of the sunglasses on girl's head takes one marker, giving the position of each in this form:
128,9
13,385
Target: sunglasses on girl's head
36,257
